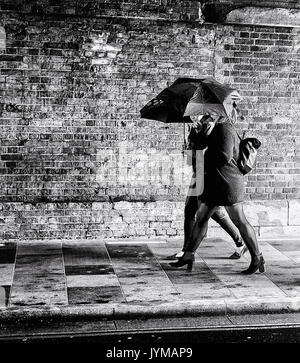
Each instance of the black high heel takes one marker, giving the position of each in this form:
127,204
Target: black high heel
254,266
239,242
236,255
184,261
172,257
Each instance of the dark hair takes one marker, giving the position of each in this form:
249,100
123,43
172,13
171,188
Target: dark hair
238,111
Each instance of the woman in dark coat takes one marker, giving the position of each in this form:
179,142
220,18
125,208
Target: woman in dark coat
196,143
223,186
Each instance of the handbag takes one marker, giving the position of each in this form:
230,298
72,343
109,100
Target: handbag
247,153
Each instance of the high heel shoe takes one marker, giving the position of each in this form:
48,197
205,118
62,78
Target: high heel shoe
239,242
259,265
175,256
238,254
182,261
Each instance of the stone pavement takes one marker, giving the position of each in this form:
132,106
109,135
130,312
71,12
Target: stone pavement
132,278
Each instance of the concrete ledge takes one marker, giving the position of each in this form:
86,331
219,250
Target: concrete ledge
265,16
128,311
203,307
266,305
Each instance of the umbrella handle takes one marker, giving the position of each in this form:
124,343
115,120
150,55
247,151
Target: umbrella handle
184,147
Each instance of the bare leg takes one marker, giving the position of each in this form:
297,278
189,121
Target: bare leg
190,210
221,217
236,213
200,227
198,233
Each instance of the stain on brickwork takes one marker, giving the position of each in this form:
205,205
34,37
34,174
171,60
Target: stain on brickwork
2,38
76,159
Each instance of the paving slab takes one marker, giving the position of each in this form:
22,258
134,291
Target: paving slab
6,273
200,273
92,280
38,297
203,291
38,279
82,254
7,253
95,295
292,255
39,248
4,295
150,293
89,270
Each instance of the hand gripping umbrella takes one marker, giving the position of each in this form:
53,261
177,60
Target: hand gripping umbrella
187,97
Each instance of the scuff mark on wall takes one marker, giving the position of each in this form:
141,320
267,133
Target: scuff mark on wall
2,38
103,48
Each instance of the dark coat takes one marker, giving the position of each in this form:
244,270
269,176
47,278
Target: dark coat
223,181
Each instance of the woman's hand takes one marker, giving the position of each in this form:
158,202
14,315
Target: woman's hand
208,127
197,125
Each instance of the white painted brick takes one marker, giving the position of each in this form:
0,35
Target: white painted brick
268,213
294,212
278,232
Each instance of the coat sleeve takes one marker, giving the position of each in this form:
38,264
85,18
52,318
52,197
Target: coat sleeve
224,147
198,139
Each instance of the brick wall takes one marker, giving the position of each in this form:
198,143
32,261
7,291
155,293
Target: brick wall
165,9
266,3
76,160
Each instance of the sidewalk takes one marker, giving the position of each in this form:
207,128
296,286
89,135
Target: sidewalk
131,278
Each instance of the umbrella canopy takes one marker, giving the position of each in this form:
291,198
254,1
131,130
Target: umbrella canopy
170,104
212,97
187,97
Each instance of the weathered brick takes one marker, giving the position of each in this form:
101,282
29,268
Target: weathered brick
267,213
285,231
294,213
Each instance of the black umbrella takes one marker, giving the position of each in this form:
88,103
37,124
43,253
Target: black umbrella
212,97
170,104
187,97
